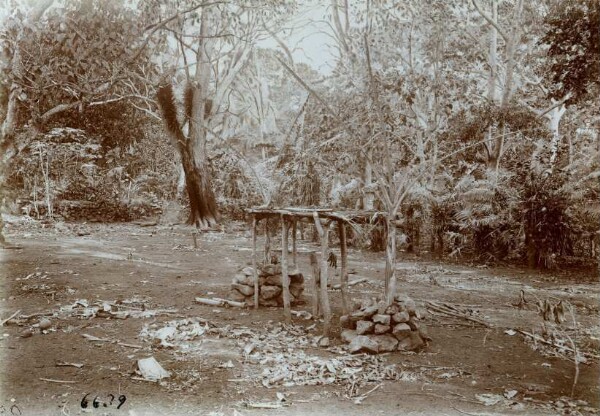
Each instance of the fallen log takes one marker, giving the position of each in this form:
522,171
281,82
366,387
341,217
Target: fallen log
220,302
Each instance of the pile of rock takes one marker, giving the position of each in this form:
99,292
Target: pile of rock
374,327
270,286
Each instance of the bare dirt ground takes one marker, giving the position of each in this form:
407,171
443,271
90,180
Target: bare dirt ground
466,369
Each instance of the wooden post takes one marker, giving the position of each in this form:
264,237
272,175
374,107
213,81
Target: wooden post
390,261
254,265
294,251
267,242
323,232
285,279
344,271
316,286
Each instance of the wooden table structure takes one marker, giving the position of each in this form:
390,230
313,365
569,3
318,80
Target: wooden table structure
323,219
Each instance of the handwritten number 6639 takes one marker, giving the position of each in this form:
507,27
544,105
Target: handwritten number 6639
96,404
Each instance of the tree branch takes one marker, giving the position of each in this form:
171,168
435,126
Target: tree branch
490,21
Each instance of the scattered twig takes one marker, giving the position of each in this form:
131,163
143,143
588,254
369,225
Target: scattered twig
36,315
93,338
448,311
50,380
123,344
544,341
64,364
10,317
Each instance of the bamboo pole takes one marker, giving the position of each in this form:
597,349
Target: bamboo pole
316,286
294,248
344,270
254,265
285,279
324,234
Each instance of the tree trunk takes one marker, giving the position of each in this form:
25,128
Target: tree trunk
206,209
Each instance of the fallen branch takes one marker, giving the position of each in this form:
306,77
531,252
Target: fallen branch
10,317
352,283
93,338
63,364
564,347
220,302
447,310
264,405
123,344
36,315
50,380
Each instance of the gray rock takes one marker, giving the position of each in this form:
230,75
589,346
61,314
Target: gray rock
392,309
324,342
236,296
274,280
381,329
386,343
269,302
382,306
348,335
364,327
364,313
400,317
243,289
363,343
270,270
242,279
248,271
401,331
382,319
269,292
411,342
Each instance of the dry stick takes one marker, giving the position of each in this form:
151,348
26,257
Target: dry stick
316,284
58,381
285,279
10,317
324,234
543,341
255,272
439,308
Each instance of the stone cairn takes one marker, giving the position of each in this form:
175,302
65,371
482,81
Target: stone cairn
374,327
270,286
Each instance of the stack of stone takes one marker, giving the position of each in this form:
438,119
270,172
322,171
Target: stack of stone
375,327
270,285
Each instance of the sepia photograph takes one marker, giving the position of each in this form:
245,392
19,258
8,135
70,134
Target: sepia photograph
299,207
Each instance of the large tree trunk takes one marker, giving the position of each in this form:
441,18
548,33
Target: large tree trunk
200,213
199,116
